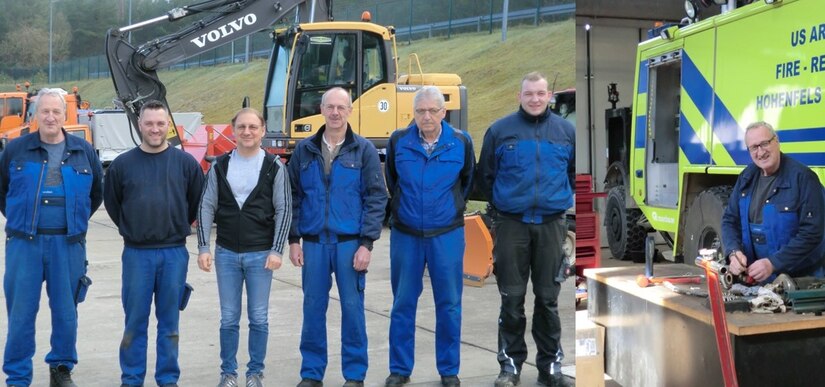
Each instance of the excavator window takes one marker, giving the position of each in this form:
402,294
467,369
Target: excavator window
326,63
374,66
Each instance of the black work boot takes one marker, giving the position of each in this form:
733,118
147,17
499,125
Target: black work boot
507,379
307,382
396,380
61,376
554,380
450,381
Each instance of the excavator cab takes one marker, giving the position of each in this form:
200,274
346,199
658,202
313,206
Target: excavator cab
322,56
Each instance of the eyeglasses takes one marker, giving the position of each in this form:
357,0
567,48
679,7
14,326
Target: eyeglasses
340,108
432,111
763,145
243,127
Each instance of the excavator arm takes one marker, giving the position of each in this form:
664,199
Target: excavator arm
134,69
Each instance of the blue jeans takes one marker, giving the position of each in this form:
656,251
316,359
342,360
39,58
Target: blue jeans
321,260
443,255
28,263
147,272
233,269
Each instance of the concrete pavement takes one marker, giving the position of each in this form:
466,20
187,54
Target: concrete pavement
101,325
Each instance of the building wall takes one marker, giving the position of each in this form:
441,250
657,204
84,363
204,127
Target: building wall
612,56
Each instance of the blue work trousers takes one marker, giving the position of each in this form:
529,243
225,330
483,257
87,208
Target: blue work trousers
28,263
146,273
321,260
233,270
443,256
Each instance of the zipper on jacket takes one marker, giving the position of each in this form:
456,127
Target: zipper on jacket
328,182
538,174
37,196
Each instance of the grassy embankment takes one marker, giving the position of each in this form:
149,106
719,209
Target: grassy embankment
490,69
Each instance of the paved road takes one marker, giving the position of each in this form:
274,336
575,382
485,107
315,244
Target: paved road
101,325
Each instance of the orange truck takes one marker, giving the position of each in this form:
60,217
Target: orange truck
17,116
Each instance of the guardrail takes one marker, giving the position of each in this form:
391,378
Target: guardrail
95,66
560,10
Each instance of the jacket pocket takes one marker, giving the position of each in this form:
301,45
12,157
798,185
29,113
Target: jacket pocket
508,155
788,224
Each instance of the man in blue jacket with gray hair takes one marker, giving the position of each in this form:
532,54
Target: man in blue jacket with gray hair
429,172
338,201
775,219
527,171
50,185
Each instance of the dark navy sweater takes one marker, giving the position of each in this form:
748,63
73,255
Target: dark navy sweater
153,197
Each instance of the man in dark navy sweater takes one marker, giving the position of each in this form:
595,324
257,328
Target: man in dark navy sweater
152,194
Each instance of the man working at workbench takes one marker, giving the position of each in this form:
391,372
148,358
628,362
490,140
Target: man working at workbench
775,219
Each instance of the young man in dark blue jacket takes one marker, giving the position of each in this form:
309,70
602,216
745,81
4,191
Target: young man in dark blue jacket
338,201
775,219
50,185
152,194
429,171
527,171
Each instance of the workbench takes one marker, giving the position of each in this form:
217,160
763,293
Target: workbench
655,337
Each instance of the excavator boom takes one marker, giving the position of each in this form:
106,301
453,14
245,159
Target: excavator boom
134,69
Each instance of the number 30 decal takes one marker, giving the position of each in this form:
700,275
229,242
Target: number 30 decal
383,105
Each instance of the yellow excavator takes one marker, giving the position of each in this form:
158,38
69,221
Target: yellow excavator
307,58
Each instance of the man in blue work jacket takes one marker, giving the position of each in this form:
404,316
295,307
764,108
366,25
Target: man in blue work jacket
50,185
429,171
338,201
775,219
527,171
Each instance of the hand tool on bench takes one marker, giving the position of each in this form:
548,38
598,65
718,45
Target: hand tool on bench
645,281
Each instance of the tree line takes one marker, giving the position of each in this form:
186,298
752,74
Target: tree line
78,27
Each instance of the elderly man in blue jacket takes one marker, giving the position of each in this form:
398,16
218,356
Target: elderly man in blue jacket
338,201
429,170
775,219
50,185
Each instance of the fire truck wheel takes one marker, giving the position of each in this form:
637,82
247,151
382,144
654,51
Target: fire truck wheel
625,236
703,225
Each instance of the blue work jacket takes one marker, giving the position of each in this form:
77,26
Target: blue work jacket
429,192
527,166
22,171
350,201
793,220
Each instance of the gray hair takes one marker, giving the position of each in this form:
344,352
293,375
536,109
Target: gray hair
53,92
430,93
761,124
336,89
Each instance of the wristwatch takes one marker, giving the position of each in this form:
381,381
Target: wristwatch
732,253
